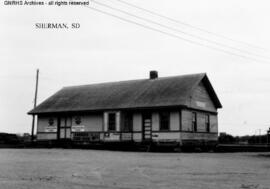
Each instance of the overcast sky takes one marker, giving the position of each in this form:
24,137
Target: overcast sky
108,49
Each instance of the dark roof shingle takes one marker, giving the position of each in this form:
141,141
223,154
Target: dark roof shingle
160,92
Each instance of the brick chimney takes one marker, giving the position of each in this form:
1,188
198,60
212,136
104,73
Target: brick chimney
153,74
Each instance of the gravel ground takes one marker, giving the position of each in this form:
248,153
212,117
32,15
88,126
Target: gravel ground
63,168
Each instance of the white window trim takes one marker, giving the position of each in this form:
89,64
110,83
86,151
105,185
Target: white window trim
106,120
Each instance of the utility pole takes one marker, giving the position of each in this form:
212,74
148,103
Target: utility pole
35,104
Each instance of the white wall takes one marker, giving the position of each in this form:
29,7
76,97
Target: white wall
155,121
43,126
174,121
213,123
166,136
199,136
90,122
201,126
46,136
137,122
117,120
137,137
186,120
43,123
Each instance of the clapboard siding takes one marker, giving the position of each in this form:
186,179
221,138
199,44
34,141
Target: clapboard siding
186,120
174,121
137,137
200,99
137,122
166,136
44,126
92,122
214,123
46,136
201,126
199,136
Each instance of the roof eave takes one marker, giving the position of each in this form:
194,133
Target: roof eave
105,109
212,92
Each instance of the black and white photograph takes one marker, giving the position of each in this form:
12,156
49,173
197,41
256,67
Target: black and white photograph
132,94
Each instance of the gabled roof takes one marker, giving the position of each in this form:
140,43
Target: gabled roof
143,93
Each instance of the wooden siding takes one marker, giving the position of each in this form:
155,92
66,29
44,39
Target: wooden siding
213,123
200,99
105,121
96,122
117,120
112,137
137,122
126,136
90,122
199,136
137,137
201,126
166,136
174,121
46,136
186,120
43,123
155,121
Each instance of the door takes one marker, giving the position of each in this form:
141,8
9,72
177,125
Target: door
147,126
64,125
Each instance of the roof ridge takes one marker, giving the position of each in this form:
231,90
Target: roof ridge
132,80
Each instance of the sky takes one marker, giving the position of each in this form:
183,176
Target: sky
106,48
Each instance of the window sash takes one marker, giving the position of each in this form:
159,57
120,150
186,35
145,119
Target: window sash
164,121
111,122
128,122
65,122
194,121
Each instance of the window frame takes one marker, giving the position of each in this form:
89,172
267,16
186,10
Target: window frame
109,122
194,123
167,121
128,122
207,123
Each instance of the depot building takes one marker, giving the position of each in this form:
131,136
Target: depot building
179,109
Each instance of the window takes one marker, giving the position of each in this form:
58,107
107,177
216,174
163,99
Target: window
207,123
112,122
128,122
164,118
194,121
66,121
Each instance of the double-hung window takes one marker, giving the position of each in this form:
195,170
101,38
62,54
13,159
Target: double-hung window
111,122
128,122
194,122
164,118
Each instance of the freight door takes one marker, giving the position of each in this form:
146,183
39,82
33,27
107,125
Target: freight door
147,126
65,127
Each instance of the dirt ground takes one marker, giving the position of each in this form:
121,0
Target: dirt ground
63,168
